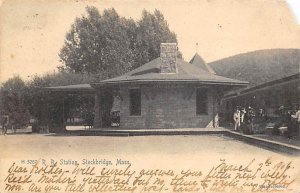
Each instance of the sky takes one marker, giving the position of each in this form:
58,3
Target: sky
32,32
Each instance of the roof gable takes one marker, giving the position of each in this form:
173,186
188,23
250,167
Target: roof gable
198,61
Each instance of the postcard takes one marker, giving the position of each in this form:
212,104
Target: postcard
149,96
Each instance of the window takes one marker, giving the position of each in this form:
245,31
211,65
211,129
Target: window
201,102
135,102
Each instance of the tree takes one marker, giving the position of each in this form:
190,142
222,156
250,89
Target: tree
152,30
12,102
98,44
109,45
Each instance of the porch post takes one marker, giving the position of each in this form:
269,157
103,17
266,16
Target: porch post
218,94
216,110
45,113
97,115
62,127
63,111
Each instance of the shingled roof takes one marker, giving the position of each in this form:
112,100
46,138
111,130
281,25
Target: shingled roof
187,72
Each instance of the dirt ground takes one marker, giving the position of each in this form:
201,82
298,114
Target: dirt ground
169,152
16,146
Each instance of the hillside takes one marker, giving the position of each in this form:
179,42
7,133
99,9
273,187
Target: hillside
259,66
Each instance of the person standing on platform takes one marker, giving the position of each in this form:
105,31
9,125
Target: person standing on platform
249,116
296,121
242,115
236,119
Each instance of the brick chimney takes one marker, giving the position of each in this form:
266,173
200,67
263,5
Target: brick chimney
168,58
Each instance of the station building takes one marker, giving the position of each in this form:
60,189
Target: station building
166,92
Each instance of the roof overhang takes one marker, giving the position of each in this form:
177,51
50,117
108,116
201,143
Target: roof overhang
163,81
249,90
78,88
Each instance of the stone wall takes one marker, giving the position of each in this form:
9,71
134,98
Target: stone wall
166,106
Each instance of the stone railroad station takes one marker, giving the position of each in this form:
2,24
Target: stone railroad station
166,92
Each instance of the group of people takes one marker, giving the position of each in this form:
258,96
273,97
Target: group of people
243,118
288,118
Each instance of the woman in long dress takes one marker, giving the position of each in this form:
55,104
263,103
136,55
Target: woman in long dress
236,118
